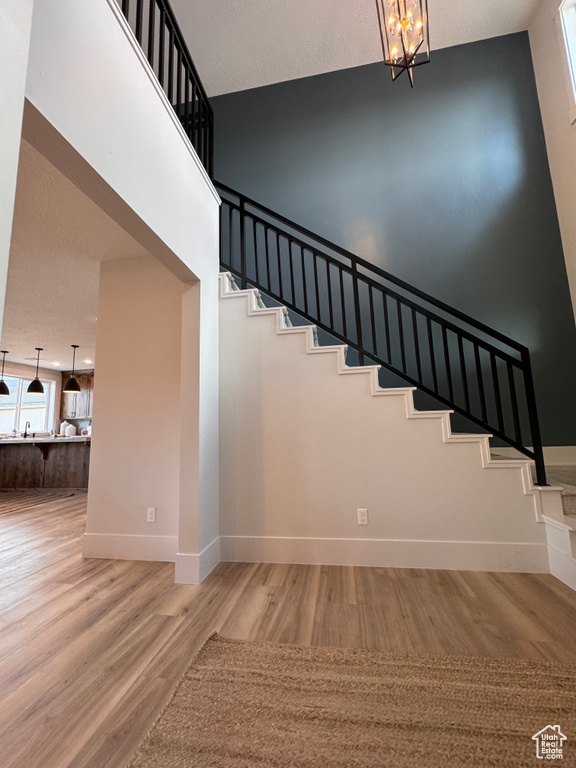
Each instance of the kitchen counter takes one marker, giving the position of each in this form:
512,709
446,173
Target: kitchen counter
44,462
53,440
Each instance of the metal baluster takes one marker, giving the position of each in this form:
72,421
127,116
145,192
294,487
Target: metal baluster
170,90
342,302
291,263
230,236
200,135
497,396
329,282
187,106
464,372
205,133
211,148
139,14
514,402
480,380
161,45
266,234
316,285
194,105
280,285
304,286
387,327
151,31
372,320
447,362
357,313
179,85
401,335
221,220
256,256
416,344
126,8
533,418
243,281
432,354
205,136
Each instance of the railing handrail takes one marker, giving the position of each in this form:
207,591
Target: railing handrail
377,270
453,367
405,300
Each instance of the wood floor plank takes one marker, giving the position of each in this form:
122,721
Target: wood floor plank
91,649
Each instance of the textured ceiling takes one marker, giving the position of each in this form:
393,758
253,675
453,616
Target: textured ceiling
239,44
59,238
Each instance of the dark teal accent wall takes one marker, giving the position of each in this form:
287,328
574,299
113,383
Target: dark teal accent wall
446,186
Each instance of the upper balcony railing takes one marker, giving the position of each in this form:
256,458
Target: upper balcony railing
157,31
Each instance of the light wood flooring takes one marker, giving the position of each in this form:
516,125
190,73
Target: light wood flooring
90,649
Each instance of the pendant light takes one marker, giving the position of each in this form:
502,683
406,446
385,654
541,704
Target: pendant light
404,35
72,384
4,391
36,387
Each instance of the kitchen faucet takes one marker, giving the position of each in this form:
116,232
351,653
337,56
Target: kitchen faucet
26,429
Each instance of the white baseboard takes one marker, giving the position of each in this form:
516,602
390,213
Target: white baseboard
562,566
193,568
553,454
449,555
127,547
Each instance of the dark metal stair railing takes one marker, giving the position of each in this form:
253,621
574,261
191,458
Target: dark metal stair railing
473,369
159,35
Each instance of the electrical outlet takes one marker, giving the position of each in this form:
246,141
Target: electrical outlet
362,517
151,515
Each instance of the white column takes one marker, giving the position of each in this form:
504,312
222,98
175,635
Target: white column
15,26
198,536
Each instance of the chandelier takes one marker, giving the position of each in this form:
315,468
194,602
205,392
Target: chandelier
404,33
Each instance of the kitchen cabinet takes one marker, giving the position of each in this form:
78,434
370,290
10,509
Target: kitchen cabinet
78,405
44,463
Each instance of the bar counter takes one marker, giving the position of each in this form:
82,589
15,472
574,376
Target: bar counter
44,462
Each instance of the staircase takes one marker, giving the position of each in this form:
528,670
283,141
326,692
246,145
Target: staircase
434,504
476,371
307,438
479,520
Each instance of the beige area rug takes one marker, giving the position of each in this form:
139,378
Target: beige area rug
242,704
17,500
565,477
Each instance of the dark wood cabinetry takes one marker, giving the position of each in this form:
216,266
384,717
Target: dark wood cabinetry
79,404
56,464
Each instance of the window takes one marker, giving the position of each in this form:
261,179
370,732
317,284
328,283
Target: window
21,407
568,21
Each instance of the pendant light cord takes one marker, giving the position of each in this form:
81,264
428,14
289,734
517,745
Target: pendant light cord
38,349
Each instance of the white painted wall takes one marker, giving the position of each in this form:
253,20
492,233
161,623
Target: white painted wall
136,412
97,112
15,26
302,448
558,112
